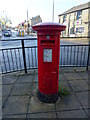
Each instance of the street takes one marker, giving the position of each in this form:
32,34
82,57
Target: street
12,44
17,43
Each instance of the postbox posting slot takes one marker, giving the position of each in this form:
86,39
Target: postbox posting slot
47,42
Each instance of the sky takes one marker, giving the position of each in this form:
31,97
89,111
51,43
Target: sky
16,10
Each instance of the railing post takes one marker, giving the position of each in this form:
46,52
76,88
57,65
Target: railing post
88,57
24,58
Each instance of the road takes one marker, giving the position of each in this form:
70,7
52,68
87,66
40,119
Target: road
13,59
10,44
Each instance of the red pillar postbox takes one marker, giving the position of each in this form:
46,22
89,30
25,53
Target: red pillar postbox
48,36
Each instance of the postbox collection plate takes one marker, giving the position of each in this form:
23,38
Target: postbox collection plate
47,55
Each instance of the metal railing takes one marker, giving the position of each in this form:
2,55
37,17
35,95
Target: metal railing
25,57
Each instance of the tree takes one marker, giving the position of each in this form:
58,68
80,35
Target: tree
5,20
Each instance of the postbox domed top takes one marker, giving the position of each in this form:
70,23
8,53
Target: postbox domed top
48,26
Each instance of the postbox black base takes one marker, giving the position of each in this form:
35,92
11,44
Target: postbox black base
47,98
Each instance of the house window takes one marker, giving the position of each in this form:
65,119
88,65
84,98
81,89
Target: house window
72,30
59,20
64,18
80,30
79,14
63,33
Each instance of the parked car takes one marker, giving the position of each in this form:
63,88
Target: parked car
7,33
0,35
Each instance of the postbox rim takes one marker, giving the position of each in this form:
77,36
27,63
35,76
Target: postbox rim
49,23
49,26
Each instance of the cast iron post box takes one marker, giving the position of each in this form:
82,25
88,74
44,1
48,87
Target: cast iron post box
48,36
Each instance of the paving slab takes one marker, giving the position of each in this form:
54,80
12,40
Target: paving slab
25,78
83,98
42,115
20,116
36,78
6,89
34,88
61,77
36,71
89,67
79,69
0,79
72,76
31,71
64,84
0,103
16,105
0,90
78,85
21,89
0,115
88,82
17,73
4,100
87,112
72,114
9,79
37,106
68,103
84,75
66,69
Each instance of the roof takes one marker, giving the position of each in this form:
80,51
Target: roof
76,8
35,17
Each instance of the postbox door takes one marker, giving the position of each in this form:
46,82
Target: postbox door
49,65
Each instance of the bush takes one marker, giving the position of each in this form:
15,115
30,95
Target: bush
63,91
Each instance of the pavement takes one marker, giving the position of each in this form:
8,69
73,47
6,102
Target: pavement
19,99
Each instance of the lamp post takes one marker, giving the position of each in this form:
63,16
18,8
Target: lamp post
27,23
53,12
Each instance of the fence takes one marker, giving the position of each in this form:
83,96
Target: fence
24,58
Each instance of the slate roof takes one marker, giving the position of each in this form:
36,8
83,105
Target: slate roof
76,8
